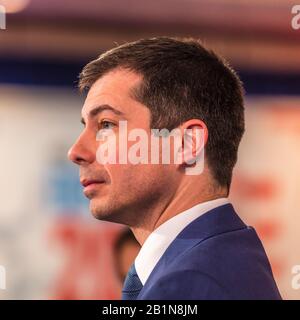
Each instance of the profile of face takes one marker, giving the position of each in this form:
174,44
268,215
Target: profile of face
120,193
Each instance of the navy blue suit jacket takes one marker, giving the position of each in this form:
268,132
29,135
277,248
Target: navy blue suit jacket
214,257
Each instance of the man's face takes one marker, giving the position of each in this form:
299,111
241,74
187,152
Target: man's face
121,193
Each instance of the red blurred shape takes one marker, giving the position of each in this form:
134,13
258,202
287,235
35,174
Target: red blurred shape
88,269
268,229
262,188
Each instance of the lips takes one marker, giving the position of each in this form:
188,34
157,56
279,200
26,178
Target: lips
87,182
90,186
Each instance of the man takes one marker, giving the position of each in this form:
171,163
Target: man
194,245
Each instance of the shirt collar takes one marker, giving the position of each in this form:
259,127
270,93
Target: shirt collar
159,240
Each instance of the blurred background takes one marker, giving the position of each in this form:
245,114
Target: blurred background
50,245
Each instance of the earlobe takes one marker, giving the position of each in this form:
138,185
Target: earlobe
193,144
194,141
191,152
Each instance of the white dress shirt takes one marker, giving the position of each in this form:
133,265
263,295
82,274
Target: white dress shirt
160,239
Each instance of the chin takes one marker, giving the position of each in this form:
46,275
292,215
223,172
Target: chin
108,211
101,211
97,210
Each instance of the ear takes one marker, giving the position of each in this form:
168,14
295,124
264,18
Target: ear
194,139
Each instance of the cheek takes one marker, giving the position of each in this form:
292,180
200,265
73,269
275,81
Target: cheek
137,177
121,175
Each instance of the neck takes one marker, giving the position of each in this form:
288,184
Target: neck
185,198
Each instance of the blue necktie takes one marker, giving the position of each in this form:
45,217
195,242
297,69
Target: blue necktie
132,285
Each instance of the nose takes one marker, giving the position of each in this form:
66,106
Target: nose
83,151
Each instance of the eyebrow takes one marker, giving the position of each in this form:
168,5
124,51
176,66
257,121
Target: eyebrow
94,112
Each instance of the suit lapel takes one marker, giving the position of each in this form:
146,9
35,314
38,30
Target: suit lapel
216,221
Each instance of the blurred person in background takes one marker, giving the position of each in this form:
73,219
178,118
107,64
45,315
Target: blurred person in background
193,243
125,250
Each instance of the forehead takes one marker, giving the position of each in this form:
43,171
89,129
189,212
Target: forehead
114,89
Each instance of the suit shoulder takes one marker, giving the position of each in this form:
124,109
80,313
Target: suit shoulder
236,261
186,285
242,244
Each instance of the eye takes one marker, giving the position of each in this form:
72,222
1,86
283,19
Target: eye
105,124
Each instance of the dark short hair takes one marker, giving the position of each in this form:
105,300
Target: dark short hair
183,80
